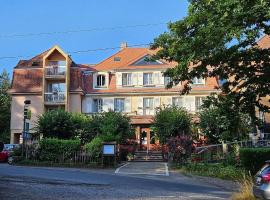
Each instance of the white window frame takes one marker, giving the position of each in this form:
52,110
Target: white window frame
177,103
149,81
147,109
199,102
128,79
198,81
98,103
99,82
119,104
167,80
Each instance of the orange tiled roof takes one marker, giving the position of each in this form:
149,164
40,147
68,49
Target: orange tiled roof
264,42
127,57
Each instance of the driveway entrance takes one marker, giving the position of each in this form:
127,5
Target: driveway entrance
144,168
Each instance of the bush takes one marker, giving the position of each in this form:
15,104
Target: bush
111,126
94,147
52,149
171,121
253,159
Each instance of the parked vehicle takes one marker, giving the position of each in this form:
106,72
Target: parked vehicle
6,151
261,188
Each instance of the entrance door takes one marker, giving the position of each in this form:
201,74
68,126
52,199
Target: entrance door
143,140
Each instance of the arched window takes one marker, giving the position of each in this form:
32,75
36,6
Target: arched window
101,80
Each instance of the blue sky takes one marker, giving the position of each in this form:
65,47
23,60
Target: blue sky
32,16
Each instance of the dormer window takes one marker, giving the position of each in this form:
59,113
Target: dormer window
117,59
101,80
198,81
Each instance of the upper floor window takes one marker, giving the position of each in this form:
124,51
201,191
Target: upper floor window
119,104
167,80
56,87
126,79
198,103
178,101
101,80
147,79
198,81
98,105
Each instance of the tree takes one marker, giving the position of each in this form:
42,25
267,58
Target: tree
219,39
223,120
112,126
55,124
5,102
171,121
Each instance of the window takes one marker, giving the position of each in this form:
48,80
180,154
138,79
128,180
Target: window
198,102
119,105
101,80
198,81
117,59
167,80
178,101
126,79
56,87
148,79
98,105
148,106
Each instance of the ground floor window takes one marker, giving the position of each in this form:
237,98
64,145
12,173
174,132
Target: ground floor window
119,104
98,105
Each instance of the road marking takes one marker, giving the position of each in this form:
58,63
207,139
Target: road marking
167,169
117,170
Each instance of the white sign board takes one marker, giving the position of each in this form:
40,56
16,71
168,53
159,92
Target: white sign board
108,149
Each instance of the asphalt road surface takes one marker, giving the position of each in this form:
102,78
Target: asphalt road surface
31,183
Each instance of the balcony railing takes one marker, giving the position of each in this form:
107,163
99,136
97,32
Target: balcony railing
55,70
55,97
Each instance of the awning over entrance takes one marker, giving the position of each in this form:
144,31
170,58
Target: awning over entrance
146,119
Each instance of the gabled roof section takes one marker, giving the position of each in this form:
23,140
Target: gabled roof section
53,49
146,60
125,59
264,42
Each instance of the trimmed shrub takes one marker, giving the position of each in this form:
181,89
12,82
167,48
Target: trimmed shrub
94,147
253,159
52,149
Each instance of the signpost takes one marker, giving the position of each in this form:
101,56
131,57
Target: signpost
109,153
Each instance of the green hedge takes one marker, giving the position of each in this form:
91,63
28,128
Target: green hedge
52,149
253,159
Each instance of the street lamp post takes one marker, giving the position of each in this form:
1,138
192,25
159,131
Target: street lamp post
25,116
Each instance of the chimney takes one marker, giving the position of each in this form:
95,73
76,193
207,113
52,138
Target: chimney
123,45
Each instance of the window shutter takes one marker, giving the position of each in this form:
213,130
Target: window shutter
140,106
118,79
134,78
95,80
108,104
156,102
168,100
189,103
128,104
140,79
107,79
161,79
156,78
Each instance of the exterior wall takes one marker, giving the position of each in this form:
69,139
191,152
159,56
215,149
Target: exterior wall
17,107
75,103
134,104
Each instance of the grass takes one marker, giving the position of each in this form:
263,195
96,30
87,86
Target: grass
245,192
217,170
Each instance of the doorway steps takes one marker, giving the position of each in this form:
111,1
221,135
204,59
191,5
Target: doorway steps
148,156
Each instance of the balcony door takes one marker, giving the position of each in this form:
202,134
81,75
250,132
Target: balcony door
148,106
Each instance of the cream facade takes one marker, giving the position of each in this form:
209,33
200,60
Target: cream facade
127,82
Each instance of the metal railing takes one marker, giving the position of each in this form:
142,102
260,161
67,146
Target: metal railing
59,97
55,70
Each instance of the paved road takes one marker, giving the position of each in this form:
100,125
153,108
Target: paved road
29,183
